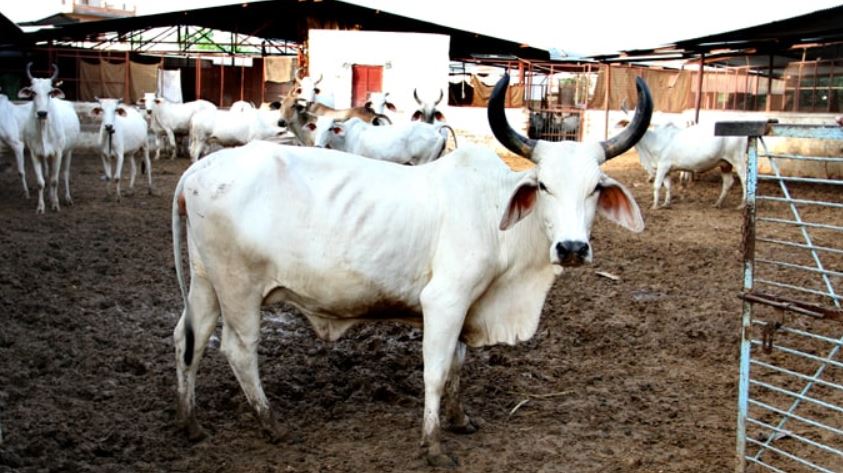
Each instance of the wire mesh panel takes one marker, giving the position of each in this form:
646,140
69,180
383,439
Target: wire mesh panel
790,406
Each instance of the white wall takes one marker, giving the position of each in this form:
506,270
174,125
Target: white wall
410,60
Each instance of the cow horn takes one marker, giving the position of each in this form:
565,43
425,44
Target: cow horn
416,96
318,80
508,137
29,70
630,135
441,96
55,72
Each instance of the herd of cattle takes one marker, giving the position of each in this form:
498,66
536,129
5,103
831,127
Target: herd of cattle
458,244
49,127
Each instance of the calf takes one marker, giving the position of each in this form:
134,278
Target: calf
122,132
403,143
50,132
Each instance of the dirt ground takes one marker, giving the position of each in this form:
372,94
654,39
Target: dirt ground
637,374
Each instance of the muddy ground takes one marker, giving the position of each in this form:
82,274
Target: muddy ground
633,375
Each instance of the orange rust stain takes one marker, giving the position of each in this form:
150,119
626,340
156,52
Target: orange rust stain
182,205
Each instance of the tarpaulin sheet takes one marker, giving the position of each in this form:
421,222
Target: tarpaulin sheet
279,68
169,85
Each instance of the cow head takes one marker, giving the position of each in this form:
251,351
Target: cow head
327,131
379,103
567,187
306,90
109,110
427,111
148,102
41,91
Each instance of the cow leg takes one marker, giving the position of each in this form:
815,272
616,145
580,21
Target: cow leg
727,181
240,337
205,312
668,191
68,157
118,173
171,138
18,149
148,168
157,137
133,171
54,172
661,177
443,319
457,420
38,167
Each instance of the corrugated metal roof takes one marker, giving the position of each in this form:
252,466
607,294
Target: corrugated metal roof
290,20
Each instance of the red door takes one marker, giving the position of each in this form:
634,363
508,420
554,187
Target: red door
365,79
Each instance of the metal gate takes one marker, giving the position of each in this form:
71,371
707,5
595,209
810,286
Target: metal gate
790,388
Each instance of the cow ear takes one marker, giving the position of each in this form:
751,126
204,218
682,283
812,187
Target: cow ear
416,116
617,204
25,93
522,201
391,107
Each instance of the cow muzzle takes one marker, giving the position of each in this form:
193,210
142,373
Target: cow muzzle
42,115
573,253
109,129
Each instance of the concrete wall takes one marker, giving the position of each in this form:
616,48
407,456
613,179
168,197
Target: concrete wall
409,60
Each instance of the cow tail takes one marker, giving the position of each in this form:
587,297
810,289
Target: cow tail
178,201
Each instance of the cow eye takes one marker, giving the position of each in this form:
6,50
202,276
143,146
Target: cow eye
316,90
542,186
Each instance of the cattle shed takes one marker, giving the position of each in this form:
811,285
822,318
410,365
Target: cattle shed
226,53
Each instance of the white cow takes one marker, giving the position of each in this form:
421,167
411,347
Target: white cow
232,128
667,148
12,121
171,118
464,247
50,132
403,143
122,132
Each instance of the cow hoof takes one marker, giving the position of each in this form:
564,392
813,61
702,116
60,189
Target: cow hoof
441,460
68,201
469,427
195,433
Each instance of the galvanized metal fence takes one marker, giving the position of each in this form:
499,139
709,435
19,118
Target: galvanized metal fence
790,393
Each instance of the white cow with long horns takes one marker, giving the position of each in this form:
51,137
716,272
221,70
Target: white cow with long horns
50,132
463,247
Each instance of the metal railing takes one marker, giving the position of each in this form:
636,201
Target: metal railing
790,392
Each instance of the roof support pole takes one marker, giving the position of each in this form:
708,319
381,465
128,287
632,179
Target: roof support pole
606,95
797,94
698,98
126,95
222,83
769,105
198,78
